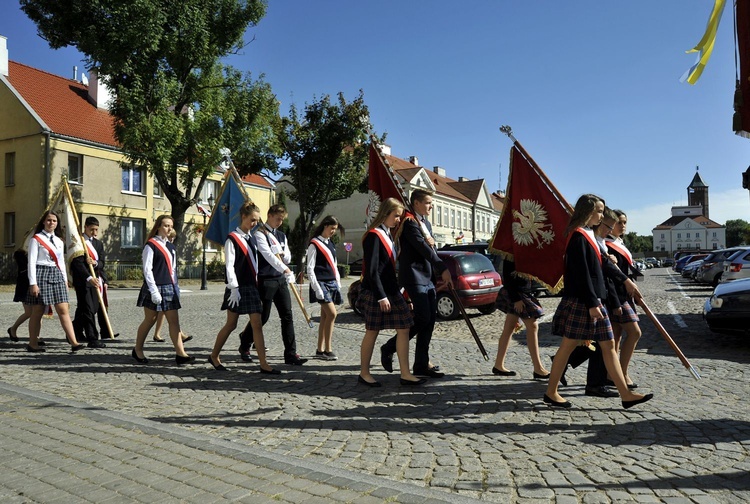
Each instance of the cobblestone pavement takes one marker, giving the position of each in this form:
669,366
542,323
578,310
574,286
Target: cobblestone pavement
470,434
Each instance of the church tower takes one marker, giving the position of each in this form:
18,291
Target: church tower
698,193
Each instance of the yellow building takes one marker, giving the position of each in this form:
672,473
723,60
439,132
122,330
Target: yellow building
52,126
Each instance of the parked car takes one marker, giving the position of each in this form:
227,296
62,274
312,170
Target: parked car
737,266
474,278
712,268
667,262
355,267
640,265
653,261
727,311
691,269
684,260
480,248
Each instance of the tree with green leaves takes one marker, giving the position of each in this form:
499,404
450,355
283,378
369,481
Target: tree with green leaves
175,105
636,243
738,232
326,147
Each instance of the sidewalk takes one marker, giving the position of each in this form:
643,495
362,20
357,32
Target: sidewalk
56,450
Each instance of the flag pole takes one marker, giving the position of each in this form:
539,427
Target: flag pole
90,266
392,175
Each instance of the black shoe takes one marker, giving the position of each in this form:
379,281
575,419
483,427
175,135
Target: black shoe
374,384
41,342
187,339
96,344
538,376
630,404
294,360
386,359
271,372
556,404
183,360
77,347
218,367
631,386
430,372
245,355
30,348
116,335
601,392
500,372
410,383
138,359
10,335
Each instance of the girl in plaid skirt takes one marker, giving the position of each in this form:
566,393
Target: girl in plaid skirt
48,281
241,295
380,298
580,314
160,292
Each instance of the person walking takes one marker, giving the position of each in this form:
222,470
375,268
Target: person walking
86,285
160,315
21,259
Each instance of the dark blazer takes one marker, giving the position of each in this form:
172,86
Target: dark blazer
584,277
80,270
418,263
379,275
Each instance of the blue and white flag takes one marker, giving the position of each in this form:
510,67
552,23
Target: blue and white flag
226,213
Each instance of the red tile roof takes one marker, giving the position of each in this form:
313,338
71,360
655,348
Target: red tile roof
256,180
62,104
701,220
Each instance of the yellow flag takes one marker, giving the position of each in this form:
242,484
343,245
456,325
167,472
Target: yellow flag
706,44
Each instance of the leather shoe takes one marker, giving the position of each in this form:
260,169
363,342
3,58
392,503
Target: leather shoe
630,404
77,347
30,348
386,359
374,384
538,376
245,355
500,372
631,386
185,340
556,404
430,372
294,360
139,360
601,392
410,383
271,372
179,359
218,367
10,335
41,342
96,344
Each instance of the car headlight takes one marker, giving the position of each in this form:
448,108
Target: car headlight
716,302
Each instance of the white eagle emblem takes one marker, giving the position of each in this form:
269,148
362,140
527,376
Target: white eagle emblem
373,204
531,227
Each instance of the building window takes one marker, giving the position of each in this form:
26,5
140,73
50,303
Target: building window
466,220
210,189
714,234
9,237
10,168
131,233
75,168
453,218
439,216
662,236
132,179
157,189
445,217
679,236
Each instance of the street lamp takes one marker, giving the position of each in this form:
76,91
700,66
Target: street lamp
204,280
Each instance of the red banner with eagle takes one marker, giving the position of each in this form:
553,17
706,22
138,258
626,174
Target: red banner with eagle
382,182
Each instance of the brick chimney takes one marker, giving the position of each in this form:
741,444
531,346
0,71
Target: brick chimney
414,160
98,91
3,56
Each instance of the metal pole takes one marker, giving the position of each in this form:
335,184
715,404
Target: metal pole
204,283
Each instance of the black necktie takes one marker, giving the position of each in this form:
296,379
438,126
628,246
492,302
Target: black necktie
52,238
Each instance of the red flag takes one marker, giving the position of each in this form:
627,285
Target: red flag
382,182
531,230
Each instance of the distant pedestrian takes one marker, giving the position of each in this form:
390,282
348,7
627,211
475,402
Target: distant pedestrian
160,292
380,297
580,316
22,289
325,282
48,281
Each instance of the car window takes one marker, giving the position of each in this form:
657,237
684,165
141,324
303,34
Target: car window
737,255
474,263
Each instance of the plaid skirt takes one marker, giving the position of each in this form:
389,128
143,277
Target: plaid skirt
249,301
531,307
331,293
170,298
399,317
572,320
53,287
628,314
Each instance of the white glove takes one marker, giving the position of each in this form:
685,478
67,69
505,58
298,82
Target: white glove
290,278
320,295
234,297
156,297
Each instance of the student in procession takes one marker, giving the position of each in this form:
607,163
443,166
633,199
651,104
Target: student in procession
160,291
274,277
517,301
48,281
88,286
581,316
160,316
419,266
325,282
627,320
380,298
241,295
21,259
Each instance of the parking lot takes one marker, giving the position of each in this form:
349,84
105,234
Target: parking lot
470,433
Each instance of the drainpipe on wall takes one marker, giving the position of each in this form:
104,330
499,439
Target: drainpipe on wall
47,170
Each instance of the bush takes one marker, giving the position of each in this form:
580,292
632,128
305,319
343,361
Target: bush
215,269
343,270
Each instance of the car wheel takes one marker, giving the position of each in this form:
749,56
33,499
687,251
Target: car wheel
446,307
487,309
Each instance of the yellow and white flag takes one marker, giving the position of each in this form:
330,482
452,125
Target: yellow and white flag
67,223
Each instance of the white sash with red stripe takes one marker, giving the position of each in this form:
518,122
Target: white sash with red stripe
328,255
387,243
620,248
53,253
252,259
167,257
589,235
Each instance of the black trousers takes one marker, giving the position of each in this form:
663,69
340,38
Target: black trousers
274,291
424,301
88,305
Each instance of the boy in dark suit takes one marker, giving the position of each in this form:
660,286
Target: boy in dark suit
86,285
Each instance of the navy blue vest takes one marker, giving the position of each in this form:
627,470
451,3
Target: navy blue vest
242,269
265,270
323,270
162,275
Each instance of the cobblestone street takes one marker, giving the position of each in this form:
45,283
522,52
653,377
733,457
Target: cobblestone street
470,434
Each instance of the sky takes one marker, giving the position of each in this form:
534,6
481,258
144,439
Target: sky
591,89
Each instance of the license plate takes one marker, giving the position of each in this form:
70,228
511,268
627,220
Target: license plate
486,282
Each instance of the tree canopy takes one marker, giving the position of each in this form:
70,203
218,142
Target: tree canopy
738,232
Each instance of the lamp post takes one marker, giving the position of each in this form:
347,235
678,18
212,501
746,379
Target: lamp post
204,280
